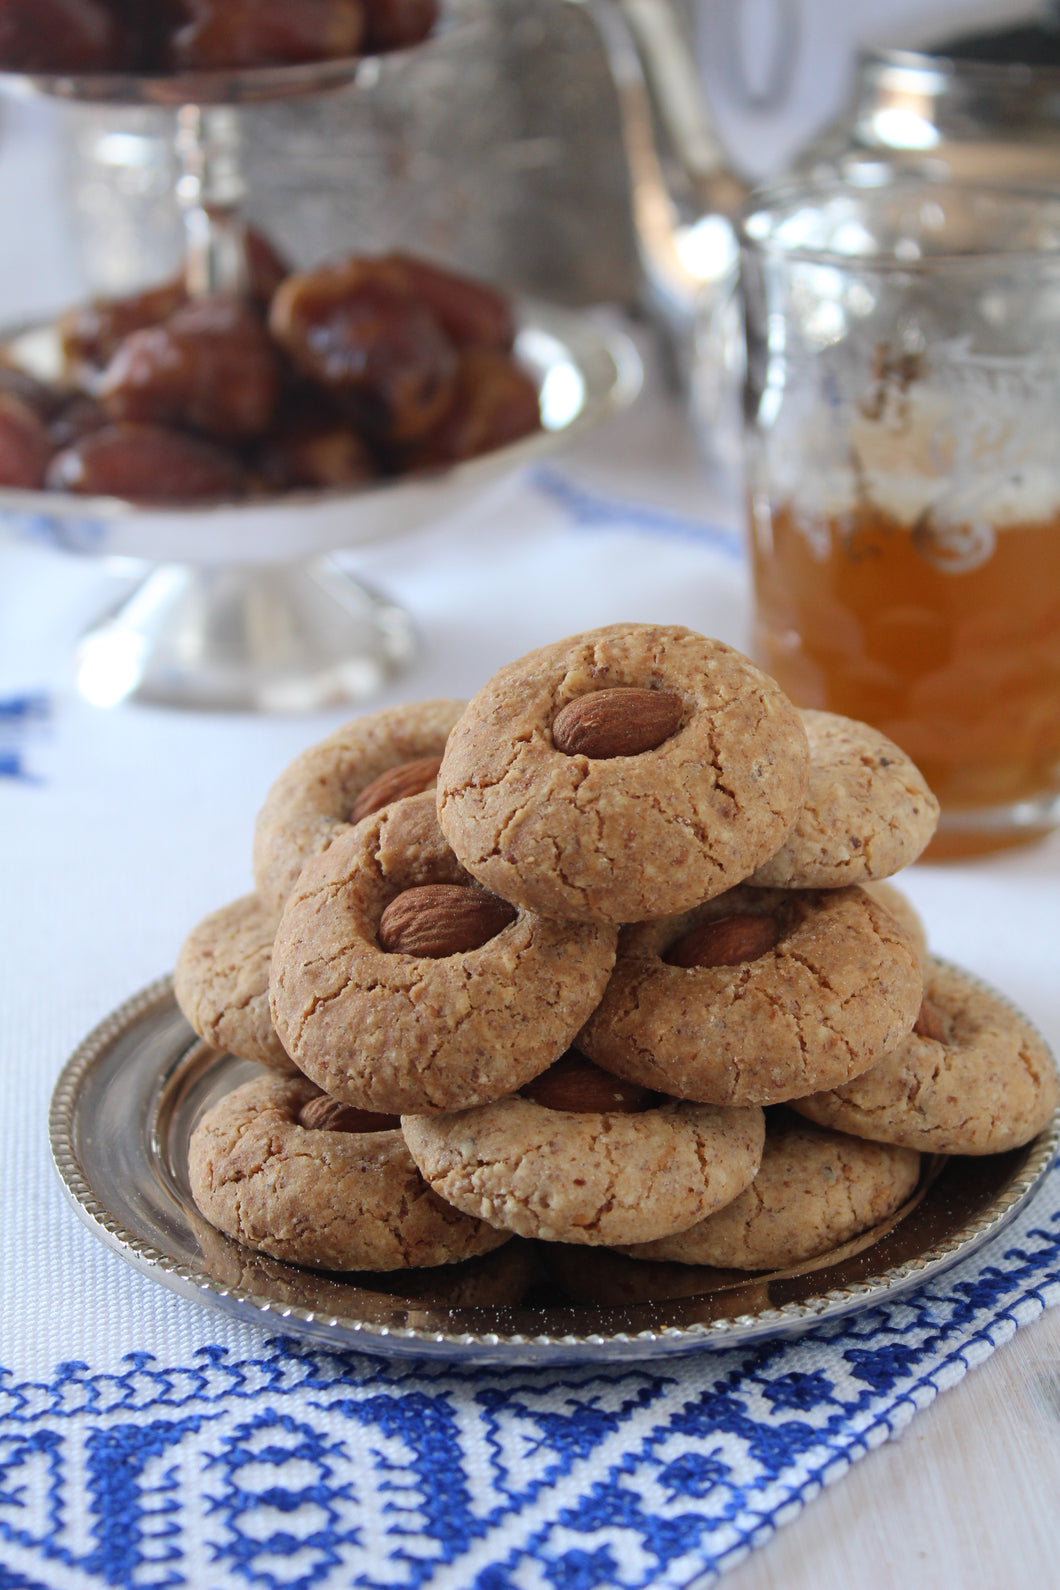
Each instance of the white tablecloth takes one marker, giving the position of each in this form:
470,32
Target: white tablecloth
148,1441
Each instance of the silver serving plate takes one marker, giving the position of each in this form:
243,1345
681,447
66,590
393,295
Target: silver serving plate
121,1118
244,609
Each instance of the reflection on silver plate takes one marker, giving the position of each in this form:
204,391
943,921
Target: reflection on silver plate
123,1111
584,371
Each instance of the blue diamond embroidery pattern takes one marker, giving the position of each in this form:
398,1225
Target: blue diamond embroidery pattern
296,1468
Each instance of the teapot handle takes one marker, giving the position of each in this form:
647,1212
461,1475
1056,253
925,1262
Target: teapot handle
671,77
684,195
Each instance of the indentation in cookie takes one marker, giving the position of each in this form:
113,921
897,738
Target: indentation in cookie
408,778
439,919
573,1083
727,941
325,1114
624,721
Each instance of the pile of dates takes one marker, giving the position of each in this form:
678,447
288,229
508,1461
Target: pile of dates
164,36
350,373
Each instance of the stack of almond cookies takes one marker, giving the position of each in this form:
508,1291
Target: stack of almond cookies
599,958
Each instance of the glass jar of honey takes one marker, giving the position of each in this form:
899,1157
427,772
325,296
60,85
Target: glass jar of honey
902,406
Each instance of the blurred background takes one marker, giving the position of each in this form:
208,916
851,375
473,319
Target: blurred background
519,176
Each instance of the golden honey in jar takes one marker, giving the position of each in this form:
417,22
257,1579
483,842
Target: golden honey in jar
903,487
961,667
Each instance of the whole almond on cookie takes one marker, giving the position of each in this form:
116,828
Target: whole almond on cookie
439,919
619,722
727,941
574,1084
408,778
324,1114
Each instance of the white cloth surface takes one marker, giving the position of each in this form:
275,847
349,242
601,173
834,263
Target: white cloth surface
118,831
131,824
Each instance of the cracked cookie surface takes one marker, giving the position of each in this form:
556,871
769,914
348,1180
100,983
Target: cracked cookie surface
816,1189
221,982
841,987
409,1034
905,913
989,1084
331,1200
621,838
868,810
592,1177
309,805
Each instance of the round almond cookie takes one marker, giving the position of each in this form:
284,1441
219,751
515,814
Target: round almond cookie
400,985
591,1176
868,811
355,771
221,982
753,997
626,773
973,1078
334,1199
815,1190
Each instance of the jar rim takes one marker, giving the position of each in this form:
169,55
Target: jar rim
944,68
774,206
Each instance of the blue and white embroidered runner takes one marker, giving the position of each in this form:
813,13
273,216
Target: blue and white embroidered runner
279,1464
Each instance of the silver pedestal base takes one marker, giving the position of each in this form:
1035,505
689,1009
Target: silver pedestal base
278,638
